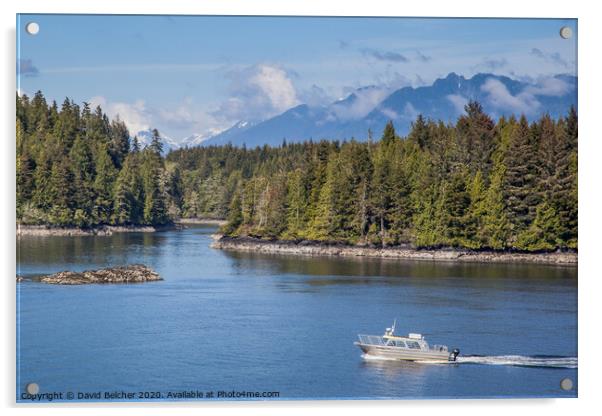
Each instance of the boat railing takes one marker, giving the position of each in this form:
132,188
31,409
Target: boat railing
371,339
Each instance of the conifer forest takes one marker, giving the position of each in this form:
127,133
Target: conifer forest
478,183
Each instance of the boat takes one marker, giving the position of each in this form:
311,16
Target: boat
409,348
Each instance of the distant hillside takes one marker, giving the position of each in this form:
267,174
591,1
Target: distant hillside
369,109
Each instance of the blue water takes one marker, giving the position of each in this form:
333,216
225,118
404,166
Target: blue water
225,321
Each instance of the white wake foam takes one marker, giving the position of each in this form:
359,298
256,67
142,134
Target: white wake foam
513,360
519,360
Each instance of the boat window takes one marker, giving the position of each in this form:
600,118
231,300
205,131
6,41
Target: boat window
400,344
414,345
391,343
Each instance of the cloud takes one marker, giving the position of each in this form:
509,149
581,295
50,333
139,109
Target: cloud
549,86
315,96
389,113
494,64
499,96
409,111
387,56
458,101
422,57
550,57
26,68
257,92
362,101
136,115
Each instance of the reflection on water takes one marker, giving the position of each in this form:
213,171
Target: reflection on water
227,320
369,267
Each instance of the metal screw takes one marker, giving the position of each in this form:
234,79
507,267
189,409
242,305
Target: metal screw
566,384
566,32
32,28
32,388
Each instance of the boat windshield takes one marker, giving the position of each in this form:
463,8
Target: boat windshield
413,345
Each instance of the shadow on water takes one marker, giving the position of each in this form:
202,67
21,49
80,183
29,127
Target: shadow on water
327,271
119,248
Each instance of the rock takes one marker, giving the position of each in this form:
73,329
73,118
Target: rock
312,248
102,230
135,273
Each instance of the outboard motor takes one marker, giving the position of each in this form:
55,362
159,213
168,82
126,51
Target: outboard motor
454,354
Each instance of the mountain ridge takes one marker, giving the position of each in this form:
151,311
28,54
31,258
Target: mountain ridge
369,108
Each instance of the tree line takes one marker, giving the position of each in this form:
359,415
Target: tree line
75,167
477,183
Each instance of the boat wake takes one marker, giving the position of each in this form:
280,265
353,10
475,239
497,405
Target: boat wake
542,361
545,361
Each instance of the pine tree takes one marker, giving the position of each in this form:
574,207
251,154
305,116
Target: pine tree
520,187
234,219
106,174
128,193
476,131
495,227
120,142
84,170
476,213
155,210
156,144
297,204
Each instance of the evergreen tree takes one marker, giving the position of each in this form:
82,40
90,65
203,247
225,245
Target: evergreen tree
103,187
520,187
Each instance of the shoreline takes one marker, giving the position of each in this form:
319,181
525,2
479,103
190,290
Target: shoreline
206,221
103,230
305,248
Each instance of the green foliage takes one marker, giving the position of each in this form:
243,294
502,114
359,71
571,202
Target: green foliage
75,168
476,184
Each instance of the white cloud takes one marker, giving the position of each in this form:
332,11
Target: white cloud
499,96
257,92
549,86
458,101
389,113
136,115
276,85
366,99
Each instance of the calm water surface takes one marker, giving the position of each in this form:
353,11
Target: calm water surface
224,321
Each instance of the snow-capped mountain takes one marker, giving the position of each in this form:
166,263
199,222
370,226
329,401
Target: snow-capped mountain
229,134
370,108
146,136
198,138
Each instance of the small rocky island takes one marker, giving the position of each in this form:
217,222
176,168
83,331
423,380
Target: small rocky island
135,273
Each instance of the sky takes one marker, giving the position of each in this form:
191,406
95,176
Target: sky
189,75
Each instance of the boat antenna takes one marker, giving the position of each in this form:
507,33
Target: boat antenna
393,328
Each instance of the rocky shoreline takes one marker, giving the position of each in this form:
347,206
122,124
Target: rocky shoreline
104,230
207,221
448,254
135,273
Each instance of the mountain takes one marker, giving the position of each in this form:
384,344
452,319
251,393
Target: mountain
230,134
370,108
145,137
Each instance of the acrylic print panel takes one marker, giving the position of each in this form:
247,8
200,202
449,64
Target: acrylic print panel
277,208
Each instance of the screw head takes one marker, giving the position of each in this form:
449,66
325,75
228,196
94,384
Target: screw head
566,384
566,32
32,388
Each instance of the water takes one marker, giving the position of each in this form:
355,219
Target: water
224,321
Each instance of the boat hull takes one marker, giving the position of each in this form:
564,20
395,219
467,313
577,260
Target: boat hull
405,354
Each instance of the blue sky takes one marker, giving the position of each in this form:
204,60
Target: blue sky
200,74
